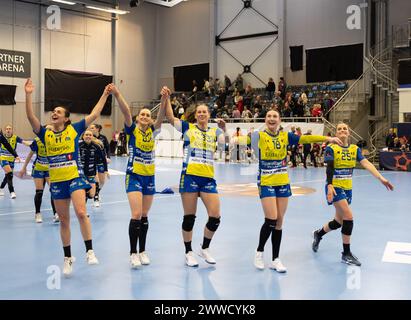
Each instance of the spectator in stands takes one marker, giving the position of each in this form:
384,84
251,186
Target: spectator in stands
289,104
180,111
175,104
239,83
217,84
404,144
206,87
248,96
389,139
256,114
195,87
304,98
327,105
238,100
236,114
286,111
316,111
227,83
282,87
184,99
224,112
222,96
211,89
270,89
299,108
277,99
246,114
396,144
274,106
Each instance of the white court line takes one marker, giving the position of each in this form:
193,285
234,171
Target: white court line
354,177
105,203
175,195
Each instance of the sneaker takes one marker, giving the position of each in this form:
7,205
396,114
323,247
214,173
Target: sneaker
206,255
91,257
135,261
191,260
13,195
278,266
96,203
350,259
56,218
316,241
1,192
68,266
259,260
38,218
145,260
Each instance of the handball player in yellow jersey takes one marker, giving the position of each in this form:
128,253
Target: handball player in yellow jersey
67,182
341,161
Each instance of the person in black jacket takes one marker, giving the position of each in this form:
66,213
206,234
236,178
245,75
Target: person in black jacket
101,172
270,89
91,155
4,144
7,159
389,139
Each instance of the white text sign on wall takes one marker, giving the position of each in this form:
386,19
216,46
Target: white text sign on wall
15,64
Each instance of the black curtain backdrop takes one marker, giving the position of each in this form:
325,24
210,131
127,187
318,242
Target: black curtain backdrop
77,91
334,63
296,58
7,94
184,76
404,71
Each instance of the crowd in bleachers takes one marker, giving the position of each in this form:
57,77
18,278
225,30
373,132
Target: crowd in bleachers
236,100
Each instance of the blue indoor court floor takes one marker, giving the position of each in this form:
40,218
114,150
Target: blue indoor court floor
28,250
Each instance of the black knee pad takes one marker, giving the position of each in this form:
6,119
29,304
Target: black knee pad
347,227
270,223
188,222
334,225
213,224
144,222
134,224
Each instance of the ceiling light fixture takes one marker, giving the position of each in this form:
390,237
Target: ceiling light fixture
65,2
109,10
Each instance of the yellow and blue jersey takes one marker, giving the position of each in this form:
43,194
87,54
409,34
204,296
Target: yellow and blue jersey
41,163
141,146
272,154
62,150
199,148
5,154
345,159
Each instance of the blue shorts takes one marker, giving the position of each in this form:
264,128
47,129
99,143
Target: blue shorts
64,189
341,195
190,183
91,179
36,174
100,168
7,163
274,191
138,183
